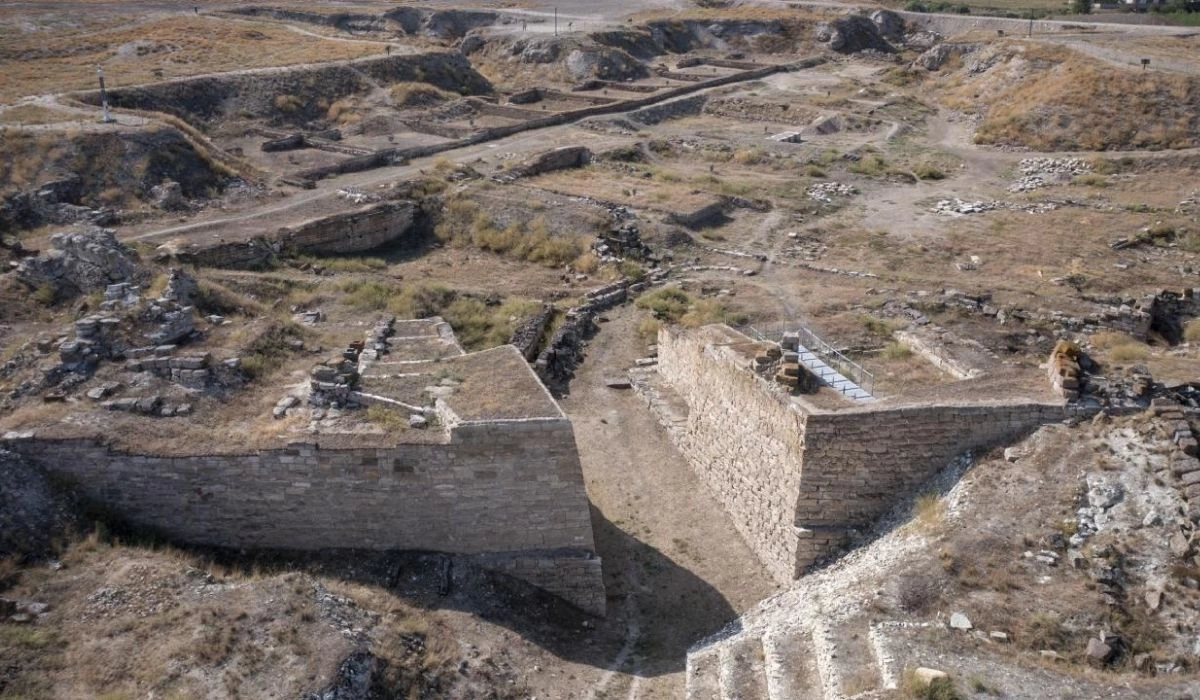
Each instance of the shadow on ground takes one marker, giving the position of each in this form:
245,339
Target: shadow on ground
669,607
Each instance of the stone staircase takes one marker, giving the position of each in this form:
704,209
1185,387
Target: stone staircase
786,661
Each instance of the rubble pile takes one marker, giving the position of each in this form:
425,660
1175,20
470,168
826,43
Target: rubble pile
1037,173
958,207
825,191
79,262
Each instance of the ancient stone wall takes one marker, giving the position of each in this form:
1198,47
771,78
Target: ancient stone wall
509,491
796,479
356,231
858,463
352,232
744,442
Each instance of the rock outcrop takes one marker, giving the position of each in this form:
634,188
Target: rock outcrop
79,262
853,34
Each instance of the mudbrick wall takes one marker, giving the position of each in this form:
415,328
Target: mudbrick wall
796,480
509,492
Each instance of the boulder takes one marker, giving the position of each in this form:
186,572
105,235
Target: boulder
168,195
936,57
1098,652
926,676
853,34
890,24
960,621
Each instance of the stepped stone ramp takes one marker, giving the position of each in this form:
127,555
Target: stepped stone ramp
791,665
777,663
743,676
778,659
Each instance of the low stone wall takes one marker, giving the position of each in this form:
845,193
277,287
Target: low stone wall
509,491
353,232
400,155
358,231
796,480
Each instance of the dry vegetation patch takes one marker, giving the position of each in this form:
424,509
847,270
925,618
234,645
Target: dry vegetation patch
40,62
1053,99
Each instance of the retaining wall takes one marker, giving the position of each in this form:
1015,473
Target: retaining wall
357,231
509,491
745,444
400,155
352,232
796,479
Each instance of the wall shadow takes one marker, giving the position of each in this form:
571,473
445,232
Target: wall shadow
670,606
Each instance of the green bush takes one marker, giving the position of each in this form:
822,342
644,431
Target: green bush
667,304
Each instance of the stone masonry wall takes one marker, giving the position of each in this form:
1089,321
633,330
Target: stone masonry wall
857,464
795,481
509,491
744,442
353,232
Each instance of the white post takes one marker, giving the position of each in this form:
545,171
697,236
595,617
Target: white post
107,118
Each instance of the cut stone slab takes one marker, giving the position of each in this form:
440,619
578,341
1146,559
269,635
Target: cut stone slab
926,676
960,621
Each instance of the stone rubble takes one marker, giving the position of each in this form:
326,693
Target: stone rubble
824,192
79,262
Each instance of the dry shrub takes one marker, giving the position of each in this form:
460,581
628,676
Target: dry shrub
1042,631
1191,331
465,223
268,351
648,329
918,590
410,94
586,263
390,419
929,510
288,103
1121,348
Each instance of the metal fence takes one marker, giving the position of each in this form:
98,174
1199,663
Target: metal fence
829,355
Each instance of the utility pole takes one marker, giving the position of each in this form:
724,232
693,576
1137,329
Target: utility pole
555,21
107,118
1031,26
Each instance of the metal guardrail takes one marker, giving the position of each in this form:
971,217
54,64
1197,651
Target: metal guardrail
829,355
838,360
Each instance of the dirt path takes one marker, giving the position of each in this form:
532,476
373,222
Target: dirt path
671,556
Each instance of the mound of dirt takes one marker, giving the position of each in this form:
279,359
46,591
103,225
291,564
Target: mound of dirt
54,177
570,58
1053,99
410,21
754,35
295,96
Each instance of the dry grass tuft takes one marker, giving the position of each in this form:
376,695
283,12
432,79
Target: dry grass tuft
929,510
1121,348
